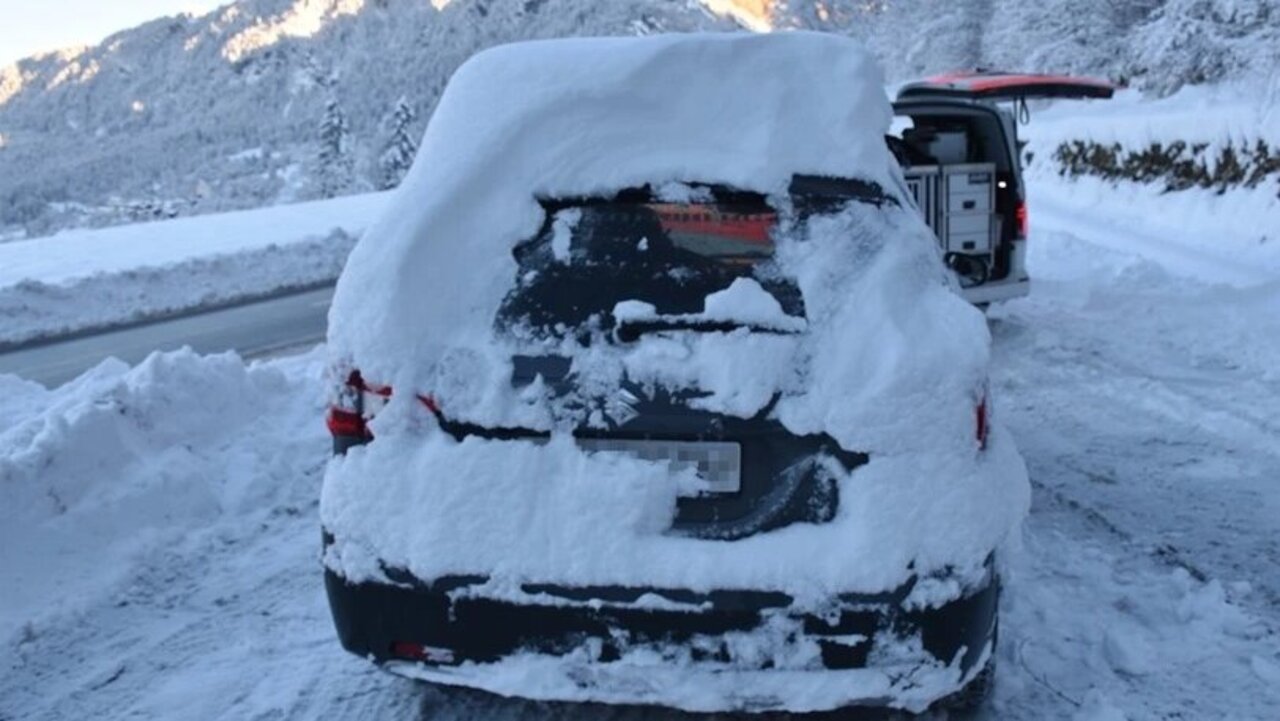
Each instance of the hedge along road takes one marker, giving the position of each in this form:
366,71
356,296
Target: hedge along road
252,330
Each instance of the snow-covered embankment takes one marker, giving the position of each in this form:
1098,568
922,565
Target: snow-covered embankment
93,279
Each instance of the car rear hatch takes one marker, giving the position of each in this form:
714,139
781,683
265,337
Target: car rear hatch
999,86
666,253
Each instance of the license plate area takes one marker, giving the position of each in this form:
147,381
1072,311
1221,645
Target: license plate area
717,463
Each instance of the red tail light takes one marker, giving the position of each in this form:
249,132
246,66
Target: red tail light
357,401
346,423
981,423
354,401
1024,223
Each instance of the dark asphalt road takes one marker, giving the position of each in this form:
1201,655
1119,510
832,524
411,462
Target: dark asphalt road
254,329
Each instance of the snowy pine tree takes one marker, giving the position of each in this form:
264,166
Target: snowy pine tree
334,163
400,149
1204,41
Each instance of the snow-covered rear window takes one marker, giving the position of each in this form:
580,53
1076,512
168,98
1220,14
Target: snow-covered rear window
661,258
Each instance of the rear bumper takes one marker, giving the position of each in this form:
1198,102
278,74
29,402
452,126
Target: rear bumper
624,645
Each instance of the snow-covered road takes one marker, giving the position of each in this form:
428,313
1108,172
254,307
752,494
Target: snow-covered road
158,549
276,325
1147,405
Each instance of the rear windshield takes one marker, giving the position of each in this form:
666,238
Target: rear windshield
592,254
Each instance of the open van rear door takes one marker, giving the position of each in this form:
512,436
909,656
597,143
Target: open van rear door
1001,86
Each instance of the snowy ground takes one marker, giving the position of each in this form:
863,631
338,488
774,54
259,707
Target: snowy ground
158,544
1241,228
89,279
1147,405
159,537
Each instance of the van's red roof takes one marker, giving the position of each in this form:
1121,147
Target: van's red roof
1001,85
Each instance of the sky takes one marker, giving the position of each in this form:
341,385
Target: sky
30,26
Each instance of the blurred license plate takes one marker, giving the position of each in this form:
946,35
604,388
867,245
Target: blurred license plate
717,463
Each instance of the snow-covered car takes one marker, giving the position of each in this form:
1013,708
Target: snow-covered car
957,140
651,386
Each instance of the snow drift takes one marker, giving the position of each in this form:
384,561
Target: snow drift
123,461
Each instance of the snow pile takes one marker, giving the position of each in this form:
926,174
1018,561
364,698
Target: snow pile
123,461
744,302
1129,627
97,278
893,362
664,679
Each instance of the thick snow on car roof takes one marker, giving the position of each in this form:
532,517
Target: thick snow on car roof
579,117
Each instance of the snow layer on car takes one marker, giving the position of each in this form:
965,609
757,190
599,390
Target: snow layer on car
520,512
893,362
582,117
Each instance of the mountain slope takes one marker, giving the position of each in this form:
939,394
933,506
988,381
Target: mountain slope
223,111
188,115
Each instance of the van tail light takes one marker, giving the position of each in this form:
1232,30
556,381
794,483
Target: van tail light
1024,223
982,423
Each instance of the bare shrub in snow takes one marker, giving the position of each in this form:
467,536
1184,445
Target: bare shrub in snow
1179,165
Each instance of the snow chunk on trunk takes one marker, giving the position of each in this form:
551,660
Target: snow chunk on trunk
745,301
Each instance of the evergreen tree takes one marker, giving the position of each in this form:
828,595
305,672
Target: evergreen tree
334,163
1190,42
400,148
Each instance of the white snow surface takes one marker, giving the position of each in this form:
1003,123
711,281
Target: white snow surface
88,279
577,117
77,254
596,519
178,577
1245,222
893,363
745,302
158,545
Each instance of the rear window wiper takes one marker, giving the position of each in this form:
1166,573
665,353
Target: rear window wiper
629,331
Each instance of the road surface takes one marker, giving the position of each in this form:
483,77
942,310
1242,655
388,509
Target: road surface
252,330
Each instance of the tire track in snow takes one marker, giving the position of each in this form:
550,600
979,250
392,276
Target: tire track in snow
1153,526
1179,470
200,633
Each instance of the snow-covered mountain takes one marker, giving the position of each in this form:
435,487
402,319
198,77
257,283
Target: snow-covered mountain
194,114
268,101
